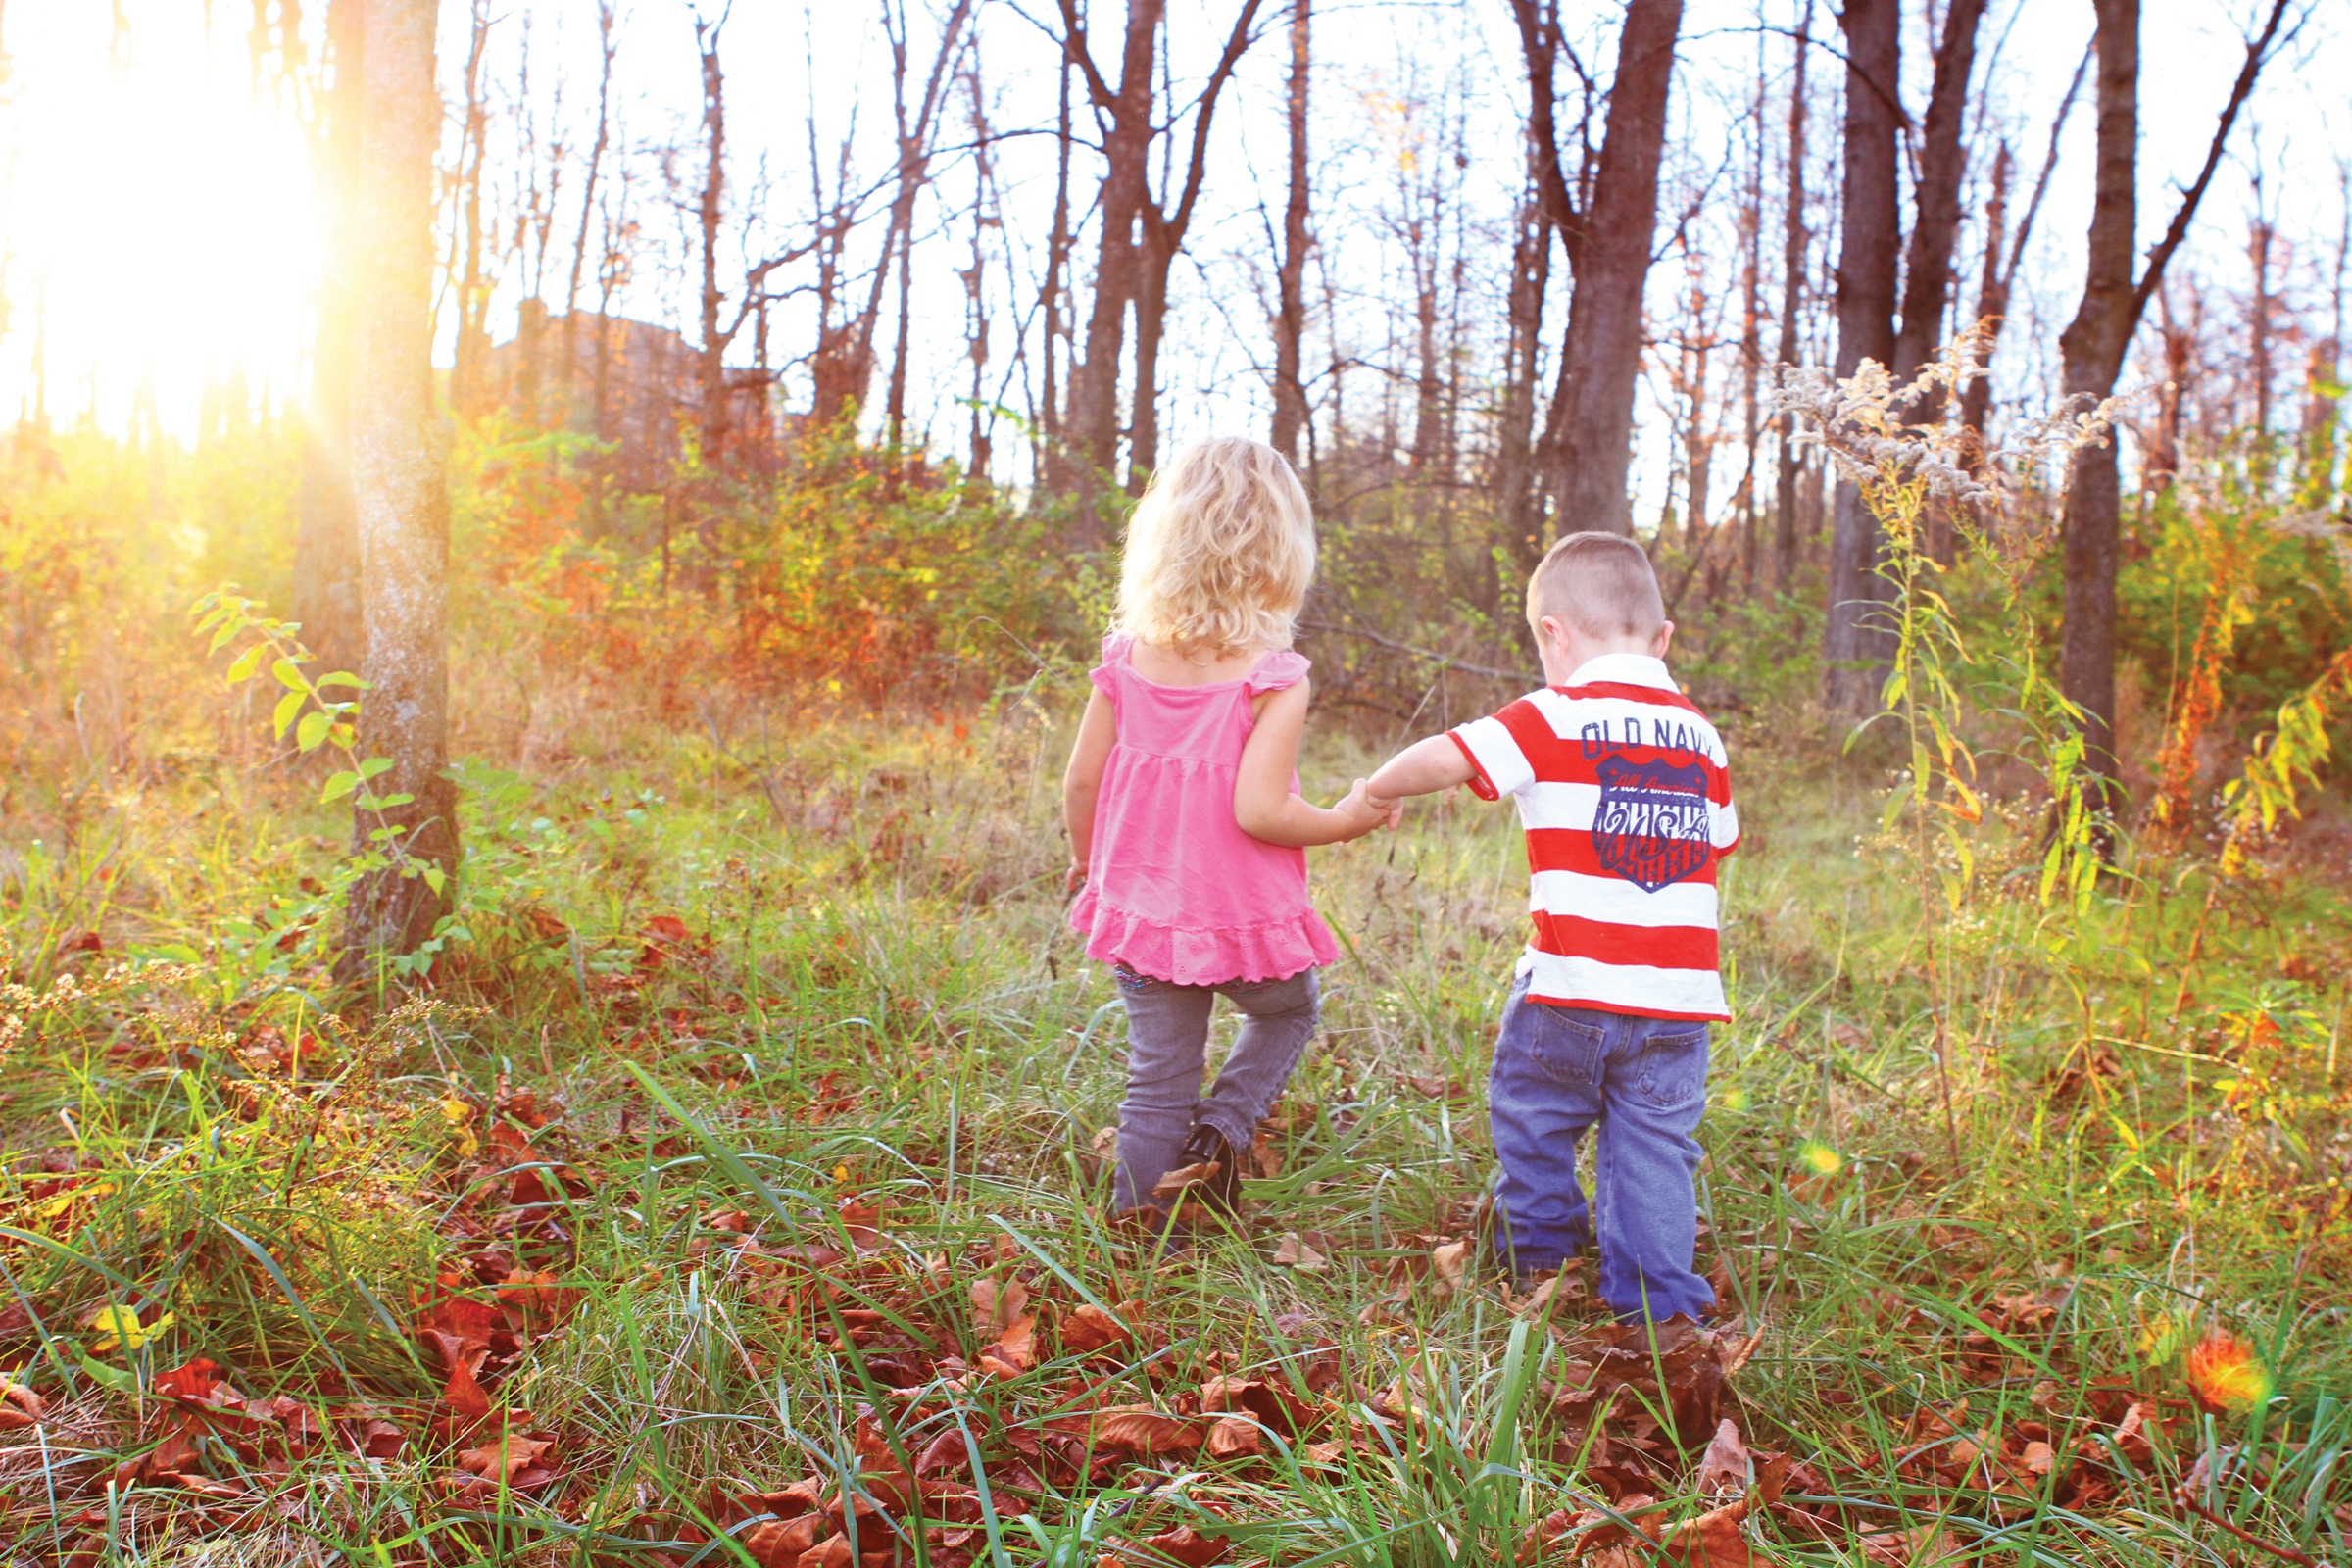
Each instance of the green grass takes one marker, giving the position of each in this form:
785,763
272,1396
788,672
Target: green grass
869,992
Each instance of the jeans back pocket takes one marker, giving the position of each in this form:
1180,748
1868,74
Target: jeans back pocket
1567,1050
1672,1070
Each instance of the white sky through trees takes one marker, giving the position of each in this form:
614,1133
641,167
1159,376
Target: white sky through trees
157,206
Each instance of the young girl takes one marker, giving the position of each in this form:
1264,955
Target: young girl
1187,832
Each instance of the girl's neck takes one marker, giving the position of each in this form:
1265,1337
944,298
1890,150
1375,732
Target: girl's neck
1167,667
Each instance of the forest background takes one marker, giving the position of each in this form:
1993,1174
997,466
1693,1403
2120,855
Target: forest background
541,1029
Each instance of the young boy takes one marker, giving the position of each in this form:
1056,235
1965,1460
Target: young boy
1622,790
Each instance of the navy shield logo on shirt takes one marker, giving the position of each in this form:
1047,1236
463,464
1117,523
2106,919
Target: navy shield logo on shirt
1651,828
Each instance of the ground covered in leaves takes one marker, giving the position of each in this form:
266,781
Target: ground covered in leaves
735,1192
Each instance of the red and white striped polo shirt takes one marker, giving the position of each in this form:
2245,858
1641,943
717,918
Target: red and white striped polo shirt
1622,788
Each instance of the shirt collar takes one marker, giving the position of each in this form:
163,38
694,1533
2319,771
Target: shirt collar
1624,669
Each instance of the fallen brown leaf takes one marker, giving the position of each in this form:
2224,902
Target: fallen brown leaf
1189,1546
1236,1438
19,1407
1723,1467
1176,1182
1142,1430
998,1304
1091,1328
1294,1253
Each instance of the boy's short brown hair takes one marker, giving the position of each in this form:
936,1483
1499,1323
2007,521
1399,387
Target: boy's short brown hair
1600,584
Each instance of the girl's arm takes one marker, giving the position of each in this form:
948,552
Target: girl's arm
1421,768
1082,782
1263,806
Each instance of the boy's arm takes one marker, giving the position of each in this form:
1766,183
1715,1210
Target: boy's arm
1421,768
1263,806
1082,782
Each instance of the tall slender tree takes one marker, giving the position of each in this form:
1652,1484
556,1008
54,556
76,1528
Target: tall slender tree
1290,287
2091,349
1588,444
327,542
1870,248
399,446
1795,240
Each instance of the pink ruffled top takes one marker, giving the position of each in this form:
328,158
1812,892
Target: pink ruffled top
1174,888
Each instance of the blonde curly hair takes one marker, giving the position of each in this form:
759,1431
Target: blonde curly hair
1219,551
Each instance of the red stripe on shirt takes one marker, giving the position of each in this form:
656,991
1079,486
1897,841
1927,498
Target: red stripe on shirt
1658,946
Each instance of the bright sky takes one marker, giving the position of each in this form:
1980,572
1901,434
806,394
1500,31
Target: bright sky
157,209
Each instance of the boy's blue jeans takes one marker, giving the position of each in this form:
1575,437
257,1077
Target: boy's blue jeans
1167,1045
1557,1070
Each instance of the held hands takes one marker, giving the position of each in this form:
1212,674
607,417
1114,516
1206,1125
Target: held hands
1366,812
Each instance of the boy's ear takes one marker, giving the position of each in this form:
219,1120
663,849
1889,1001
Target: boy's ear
1665,636
1550,630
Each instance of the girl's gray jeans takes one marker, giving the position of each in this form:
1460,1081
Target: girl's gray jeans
1167,1045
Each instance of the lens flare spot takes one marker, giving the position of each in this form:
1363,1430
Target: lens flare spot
1818,1158
2223,1374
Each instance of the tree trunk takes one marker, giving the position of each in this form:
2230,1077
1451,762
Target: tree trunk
326,541
568,361
466,376
1592,415
1093,418
1943,167
1993,303
399,444
2091,353
1290,309
2000,271
2259,309
1162,241
2161,460
1050,463
710,363
1855,639
1514,437
1927,273
1794,244
1752,331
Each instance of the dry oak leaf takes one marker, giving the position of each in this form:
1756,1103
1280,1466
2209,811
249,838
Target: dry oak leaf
1091,1328
780,1542
19,1407
1713,1540
1236,1438
1175,1182
833,1552
1294,1253
464,1395
1451,1261
1015,1353
1141,1430
998,1304
1908,1549
1723,1467
514,1459
1189,1546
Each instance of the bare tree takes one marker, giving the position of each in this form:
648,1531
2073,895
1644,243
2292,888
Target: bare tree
2000,271
1589,436
1123,120
606,47
2092,347
398,442
2323,387
327,542
465,236
1290,309
1870,241
1795,242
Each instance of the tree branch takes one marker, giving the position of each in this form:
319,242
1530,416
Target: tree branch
2257,56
